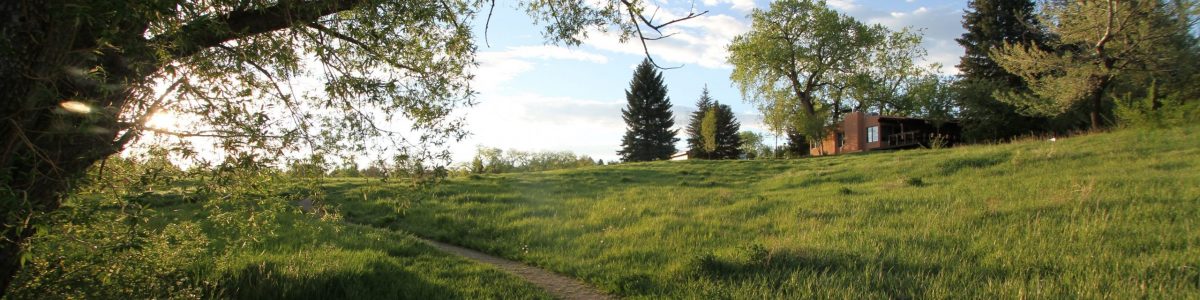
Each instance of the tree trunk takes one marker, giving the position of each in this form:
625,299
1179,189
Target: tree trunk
58,121
1098,101
44,147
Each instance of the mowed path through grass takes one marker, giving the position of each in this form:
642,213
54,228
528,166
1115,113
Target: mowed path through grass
1111,215
561,287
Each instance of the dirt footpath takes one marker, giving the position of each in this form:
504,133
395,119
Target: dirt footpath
559,286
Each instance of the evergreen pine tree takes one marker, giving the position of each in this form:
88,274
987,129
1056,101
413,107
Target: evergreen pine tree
648,119
797,144
695,139
729,144
990,24
725,134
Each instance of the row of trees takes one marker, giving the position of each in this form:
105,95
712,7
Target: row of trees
493,160
1066,65
754,146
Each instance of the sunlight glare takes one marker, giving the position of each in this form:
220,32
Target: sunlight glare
163,120
76,107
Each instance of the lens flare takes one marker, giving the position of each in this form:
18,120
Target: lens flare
76,107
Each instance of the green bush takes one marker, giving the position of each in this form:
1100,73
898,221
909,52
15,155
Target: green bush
1155,111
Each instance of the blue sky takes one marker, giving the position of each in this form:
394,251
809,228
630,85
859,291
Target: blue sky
534,96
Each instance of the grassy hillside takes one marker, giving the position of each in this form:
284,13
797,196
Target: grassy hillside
251,243
1112,215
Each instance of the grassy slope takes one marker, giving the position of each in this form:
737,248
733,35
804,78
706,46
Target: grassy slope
1106,215
310,259
302,257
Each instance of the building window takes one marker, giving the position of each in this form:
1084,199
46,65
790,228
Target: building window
872,134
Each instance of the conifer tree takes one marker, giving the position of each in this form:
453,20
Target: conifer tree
729,144
1100,49
724,139
695,137
648,119
797,144
990,24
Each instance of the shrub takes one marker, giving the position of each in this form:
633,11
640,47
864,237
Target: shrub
757,255
1155,111
915,181
845,191
704,265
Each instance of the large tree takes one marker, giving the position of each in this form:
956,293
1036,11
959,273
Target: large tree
648,118
989,25
800,56
1099,46
80,79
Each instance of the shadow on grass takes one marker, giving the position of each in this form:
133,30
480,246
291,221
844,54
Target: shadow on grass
973,161
896,279
377,280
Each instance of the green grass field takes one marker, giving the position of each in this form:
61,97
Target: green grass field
1112,215
258,246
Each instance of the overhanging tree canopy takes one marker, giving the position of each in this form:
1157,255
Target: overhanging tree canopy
79,79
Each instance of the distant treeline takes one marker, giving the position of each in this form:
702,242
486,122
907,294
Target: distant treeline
490,160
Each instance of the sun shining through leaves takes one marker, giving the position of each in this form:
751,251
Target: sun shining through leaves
164,120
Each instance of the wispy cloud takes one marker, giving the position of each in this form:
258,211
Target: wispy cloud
700,41
844,5
497,67
939,25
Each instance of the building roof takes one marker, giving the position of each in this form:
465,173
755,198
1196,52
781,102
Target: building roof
914,119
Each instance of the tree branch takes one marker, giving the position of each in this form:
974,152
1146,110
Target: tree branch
362,45
488,24
1107,35
635,17
211,31
211,134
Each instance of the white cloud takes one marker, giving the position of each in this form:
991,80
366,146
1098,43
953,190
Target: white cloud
844,5
497,67
739,5
940,26
699,41
530,121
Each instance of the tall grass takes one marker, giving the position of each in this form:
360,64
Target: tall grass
1112,215
243,239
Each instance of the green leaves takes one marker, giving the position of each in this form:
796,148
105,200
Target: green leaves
802,59
1099,46
708,130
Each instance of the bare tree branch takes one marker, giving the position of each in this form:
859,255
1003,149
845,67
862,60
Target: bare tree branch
638,20
488,24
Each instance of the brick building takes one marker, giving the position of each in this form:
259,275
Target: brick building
862,132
